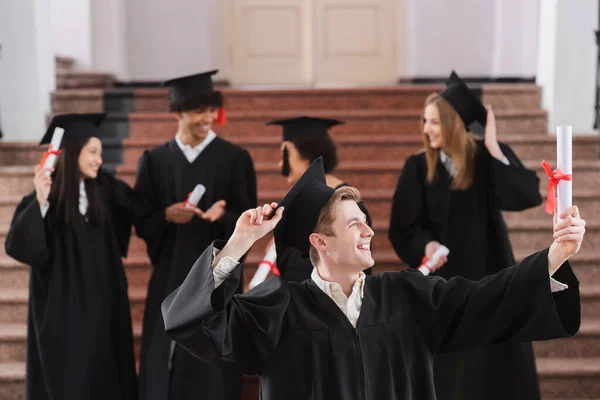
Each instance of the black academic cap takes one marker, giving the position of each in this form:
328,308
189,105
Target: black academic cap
303,205
304,126
76,126
464,101
186,87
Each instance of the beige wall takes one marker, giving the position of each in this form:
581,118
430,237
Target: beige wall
171,38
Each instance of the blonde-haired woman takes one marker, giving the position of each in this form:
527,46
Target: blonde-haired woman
452,194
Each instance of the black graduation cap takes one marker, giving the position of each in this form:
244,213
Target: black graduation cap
186,87
302,126
76,126
303,204
464,101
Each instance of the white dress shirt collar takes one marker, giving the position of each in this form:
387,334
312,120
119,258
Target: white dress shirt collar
191,153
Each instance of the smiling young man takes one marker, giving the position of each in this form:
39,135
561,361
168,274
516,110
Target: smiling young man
176,233
345,336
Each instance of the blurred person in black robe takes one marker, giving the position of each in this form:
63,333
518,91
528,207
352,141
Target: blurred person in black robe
344,335
453,194
176,235
73,231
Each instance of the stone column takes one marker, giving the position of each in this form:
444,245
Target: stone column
567,62
27,68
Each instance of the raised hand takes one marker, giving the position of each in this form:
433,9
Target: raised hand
430,248
568,232
215,212
178,213
42,182
255,223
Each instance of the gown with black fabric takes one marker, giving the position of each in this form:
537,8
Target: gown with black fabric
79,336
296,268
303,346
469,222
165,176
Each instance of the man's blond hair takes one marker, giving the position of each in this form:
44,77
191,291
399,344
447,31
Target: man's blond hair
327,216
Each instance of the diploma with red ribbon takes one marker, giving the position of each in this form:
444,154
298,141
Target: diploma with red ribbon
49,157
427,264
560,186
194,197
264,267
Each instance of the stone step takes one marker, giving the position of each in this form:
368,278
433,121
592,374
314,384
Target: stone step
532,234
569,378
77,101
13,300
83,80
358,122
20,153
501,96
15,275
383,147
13,342
559,379
12,383
378,202
361,174
585,344
13,305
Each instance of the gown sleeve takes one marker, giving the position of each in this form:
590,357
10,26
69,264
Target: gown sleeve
26,238
150,225
408,232
516,188
242,191
514,304
125,205
221,327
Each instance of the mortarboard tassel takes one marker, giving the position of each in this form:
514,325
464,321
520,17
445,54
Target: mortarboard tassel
285,168
221,117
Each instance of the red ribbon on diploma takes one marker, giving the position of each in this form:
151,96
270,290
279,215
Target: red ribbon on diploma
273,267
555,176
186,202
48,153
423,264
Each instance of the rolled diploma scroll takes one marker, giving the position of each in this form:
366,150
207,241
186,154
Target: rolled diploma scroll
264,267
440,252
564,162
54,145
195,196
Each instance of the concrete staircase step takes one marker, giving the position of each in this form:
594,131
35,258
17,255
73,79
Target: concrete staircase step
380,147
12,381
585,344
13,304
13,301
358,122
569,378
501,96
361,174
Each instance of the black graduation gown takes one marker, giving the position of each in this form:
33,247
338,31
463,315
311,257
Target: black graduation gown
295,267
166,177
469,222
79,337
303,347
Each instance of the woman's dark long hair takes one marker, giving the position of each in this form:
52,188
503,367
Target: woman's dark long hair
64,193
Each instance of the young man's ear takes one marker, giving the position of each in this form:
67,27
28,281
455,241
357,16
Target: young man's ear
317,241
178,115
